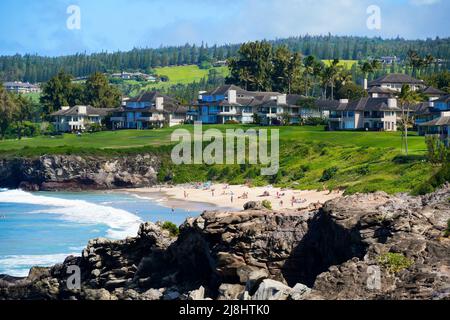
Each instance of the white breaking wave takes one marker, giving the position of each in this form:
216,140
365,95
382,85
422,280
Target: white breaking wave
121,223
19,266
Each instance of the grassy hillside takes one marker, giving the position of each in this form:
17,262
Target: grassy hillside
347,64
176,74
310,158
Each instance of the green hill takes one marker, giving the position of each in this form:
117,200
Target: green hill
310,158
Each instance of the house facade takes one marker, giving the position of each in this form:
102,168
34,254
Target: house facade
376,114
393,83
149,110
21,87
230,103
433,110
78,118
439,127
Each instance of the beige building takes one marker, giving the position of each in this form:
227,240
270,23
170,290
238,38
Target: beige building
376,114
78,118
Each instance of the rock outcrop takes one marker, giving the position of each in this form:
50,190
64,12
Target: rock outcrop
65,172
372,246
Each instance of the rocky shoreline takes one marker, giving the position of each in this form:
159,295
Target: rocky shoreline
371,246
73,173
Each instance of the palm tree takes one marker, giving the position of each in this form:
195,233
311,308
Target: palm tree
369,67
407,99
309,64
329,76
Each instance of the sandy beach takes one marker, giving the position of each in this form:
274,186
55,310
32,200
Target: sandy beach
223,196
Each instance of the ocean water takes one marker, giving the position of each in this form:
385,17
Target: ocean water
42,229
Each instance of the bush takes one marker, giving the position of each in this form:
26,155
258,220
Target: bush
441,177
172,228
267,204
363,171
328,174
315,121
231,122
394,262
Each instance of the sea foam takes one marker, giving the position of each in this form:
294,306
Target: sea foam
19,265
121,223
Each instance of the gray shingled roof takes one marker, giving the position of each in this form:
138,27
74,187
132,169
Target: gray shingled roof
90,111
367,104
395,78
444,99
20,84
442,121
431,90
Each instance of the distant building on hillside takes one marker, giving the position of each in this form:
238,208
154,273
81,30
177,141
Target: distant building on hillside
78,118
394,82
21,87
149,110
389,59
220,63
134,76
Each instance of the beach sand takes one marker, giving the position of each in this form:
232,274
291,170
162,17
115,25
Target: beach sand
229,197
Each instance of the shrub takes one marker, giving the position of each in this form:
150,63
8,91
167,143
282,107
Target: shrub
267,204
440,178
328,174
394,262
172,228
231,122
363,171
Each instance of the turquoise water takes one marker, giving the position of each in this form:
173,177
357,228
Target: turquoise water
43,228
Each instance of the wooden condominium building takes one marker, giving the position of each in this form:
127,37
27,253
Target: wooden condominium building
230,103
149,110
78,118
375,114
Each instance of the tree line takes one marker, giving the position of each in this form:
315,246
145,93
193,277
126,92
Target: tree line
34,68
61,90
261,66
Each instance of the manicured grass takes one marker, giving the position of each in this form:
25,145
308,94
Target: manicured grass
183,75
139,138
34,96
347,64
359,161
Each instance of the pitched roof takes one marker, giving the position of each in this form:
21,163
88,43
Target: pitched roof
20,84
380,90
445,98
367,104
330,105
425,109
222,90
90,111
395,78
442,121
431,90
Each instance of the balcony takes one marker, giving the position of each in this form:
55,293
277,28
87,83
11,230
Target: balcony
118,119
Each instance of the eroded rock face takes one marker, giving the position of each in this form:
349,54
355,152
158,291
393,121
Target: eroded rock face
333,252
78,173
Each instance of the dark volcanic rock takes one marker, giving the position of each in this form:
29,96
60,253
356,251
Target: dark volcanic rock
333,252
78,173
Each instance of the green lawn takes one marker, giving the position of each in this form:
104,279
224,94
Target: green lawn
347,64
34,96
135,138
183,75
365,161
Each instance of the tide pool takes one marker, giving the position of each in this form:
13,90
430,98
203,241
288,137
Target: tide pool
42,228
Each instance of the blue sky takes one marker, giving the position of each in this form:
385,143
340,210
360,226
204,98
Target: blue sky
30,26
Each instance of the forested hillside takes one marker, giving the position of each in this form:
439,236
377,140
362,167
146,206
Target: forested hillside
33,68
